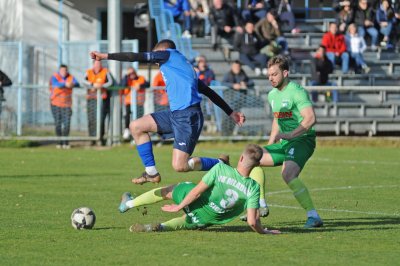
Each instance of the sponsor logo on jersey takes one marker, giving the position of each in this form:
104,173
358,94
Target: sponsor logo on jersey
283,114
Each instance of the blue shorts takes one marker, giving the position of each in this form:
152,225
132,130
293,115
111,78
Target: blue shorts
183,125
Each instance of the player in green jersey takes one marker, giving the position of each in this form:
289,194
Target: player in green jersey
292,138
222,195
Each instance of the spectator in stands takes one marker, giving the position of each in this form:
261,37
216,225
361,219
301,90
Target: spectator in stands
364,20
204,72
160,95
339,5
356,47
254,10
200,17
97,78
396,9
385,18
133,81
225,23
321,67
335,45
180,10
345,16
237,79
249,45
4,82
269,32
61,84
285,13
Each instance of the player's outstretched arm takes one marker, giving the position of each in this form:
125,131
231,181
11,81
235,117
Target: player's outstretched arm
194,194
237,117
254,222
98,56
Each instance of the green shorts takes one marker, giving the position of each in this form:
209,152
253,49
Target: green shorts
196,216
298,150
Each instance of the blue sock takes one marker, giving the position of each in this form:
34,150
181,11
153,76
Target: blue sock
208,163
146,153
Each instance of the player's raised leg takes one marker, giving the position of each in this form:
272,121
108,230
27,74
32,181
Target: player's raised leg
140,129
290,173
149,197
182,162
258,175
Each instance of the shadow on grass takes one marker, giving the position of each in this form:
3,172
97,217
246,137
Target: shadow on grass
108,228
346,224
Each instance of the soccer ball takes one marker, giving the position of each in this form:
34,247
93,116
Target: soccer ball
83,218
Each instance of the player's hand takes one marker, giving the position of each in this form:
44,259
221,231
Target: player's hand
238,118
98,56
272,232
281,136
170,208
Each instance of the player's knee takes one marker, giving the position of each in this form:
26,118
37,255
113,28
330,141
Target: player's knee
135,127
179,167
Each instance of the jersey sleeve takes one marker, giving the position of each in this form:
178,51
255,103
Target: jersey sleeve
211,175
302,100
253,201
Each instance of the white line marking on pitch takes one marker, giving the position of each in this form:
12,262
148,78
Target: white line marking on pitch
321,159
336,210
334,188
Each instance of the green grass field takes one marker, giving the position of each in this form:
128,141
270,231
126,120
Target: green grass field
355,185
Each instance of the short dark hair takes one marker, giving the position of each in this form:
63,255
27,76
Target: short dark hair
165,44
63,66
280,60
237,62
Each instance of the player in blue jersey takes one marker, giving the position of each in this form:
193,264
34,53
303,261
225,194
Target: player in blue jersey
184,120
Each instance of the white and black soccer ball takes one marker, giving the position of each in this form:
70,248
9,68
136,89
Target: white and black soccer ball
83,218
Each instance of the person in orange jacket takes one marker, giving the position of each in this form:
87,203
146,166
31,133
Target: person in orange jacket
97,78
139,83
61,84
160,95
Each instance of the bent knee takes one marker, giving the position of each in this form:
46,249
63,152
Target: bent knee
180,167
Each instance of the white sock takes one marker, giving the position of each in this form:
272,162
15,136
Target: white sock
263,203
129,203
151,170
191,164
312,213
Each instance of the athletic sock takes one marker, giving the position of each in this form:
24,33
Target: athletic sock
301,193
174,224
312,213
146,198
208,163
258,175
145,151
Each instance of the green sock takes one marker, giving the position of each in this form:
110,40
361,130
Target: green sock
258,175
174,224
148,197
301,193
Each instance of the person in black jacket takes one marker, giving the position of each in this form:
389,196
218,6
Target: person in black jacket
364,19
4,82
249,46
237,79
321,67
225,22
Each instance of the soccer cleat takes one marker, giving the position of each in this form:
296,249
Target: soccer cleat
125,197
224,158
313,222
138,228
264,212
145,178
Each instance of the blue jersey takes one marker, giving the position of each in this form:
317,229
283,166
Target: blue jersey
181,81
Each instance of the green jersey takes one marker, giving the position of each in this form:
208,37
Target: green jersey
228,195
286,106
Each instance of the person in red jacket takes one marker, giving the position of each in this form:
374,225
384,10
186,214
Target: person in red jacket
335,45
